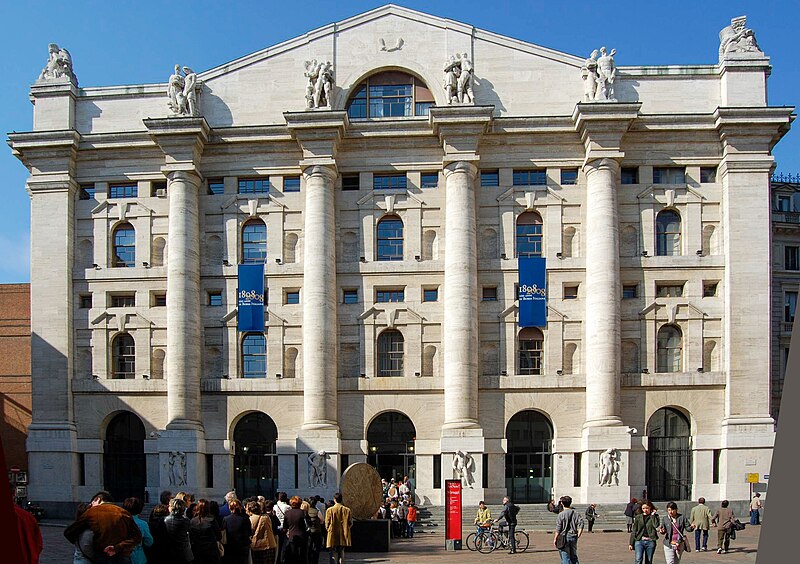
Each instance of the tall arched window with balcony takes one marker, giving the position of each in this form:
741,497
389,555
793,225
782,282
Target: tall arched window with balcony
254,356
529,235
123,357
124,239
390,353
668,233
254,242
390,238
669,349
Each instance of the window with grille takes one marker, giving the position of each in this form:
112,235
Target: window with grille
390,239
668,233
529,235
254,185
254,242
124,356
669,349
254,356
390,353
533,177
669,175
531,346
123,190
124,246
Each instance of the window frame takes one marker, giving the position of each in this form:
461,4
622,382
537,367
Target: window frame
123,356
293,185
490,178
791,257
535,238
426,294
248,358
118,261
664,236
488,297
389,245
667,363
291,297
390,359
428,185
529,177
249,248
570,180
390,293
215,182
673,177
348,294
258,185
127,189
532,353
212,295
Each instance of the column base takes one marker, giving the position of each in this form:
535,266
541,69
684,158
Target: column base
747,444
182,460
53,466
318,461
595,442
472,442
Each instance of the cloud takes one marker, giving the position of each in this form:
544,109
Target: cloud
15,258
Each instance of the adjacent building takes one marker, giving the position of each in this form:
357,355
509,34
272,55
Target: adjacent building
388,171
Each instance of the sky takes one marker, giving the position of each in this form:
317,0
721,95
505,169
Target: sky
137,42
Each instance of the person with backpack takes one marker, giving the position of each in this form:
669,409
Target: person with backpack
509,517
569,528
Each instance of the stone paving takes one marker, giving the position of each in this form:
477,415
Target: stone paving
600,548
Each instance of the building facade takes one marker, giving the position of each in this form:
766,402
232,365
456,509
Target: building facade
388,201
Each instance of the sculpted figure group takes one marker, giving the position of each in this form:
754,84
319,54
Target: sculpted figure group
458,79
599,75
736,38
182,92
59,64
320,84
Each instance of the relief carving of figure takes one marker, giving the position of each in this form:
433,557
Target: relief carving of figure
609,467
318,469
589,75
59,64
182,92
464,468
606,74
736,38
319,85
177,468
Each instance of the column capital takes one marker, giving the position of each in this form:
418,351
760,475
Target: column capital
602,127
751,131
182,139
318,134
465,166
315,168
460,129
601,163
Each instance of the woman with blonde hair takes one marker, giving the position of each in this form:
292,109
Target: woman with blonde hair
262,541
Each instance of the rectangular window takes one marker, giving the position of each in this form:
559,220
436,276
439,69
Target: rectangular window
516,290
254,185
789,306
630,175
485,471
350,296
489,294
710,289
209,470
430,295
85,301
87,192
669,290
570,292
350,182
437,471
708,174
389,296
569,176
160,300
784,203
216,186
81,469
291,184
345,462
791,257
669,175
629,291
292,297
715,466
157,188
215,298
576,469
123,300
429,180
389,182
490,178
534,177
123,190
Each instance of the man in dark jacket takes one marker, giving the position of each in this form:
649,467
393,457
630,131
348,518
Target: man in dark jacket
509,517
115,532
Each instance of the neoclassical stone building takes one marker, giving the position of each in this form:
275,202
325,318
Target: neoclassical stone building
388,200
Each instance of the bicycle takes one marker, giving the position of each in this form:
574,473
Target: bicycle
499,539
480,531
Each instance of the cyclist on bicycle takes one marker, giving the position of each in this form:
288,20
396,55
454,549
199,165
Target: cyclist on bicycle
484,515
509,517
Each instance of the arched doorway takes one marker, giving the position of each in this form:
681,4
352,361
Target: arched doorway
124,468
255,462
669,456
529,461
390,439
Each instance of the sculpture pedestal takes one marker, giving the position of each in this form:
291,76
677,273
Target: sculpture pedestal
371,535
595,441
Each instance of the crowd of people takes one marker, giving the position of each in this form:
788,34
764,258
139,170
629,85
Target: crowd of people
399,507
182,529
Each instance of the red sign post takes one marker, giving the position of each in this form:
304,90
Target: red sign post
452,527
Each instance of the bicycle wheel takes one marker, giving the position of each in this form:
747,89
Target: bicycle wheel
485,542
522,540
470,542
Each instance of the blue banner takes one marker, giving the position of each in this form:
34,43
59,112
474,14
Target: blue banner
532,292
250,297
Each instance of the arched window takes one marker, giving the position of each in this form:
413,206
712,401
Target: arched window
669,349
254,242
668,234
123,356
389,94
531,346
254,356
124,246
390,353
529,235
390,238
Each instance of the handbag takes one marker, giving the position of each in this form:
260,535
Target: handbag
222,542
561,540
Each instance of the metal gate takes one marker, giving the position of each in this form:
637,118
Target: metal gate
124,468
669,456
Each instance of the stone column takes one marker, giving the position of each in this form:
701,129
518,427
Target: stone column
747,136
52,435
460,325
319,300
602,127
182,140
318,134
184,326
602,317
